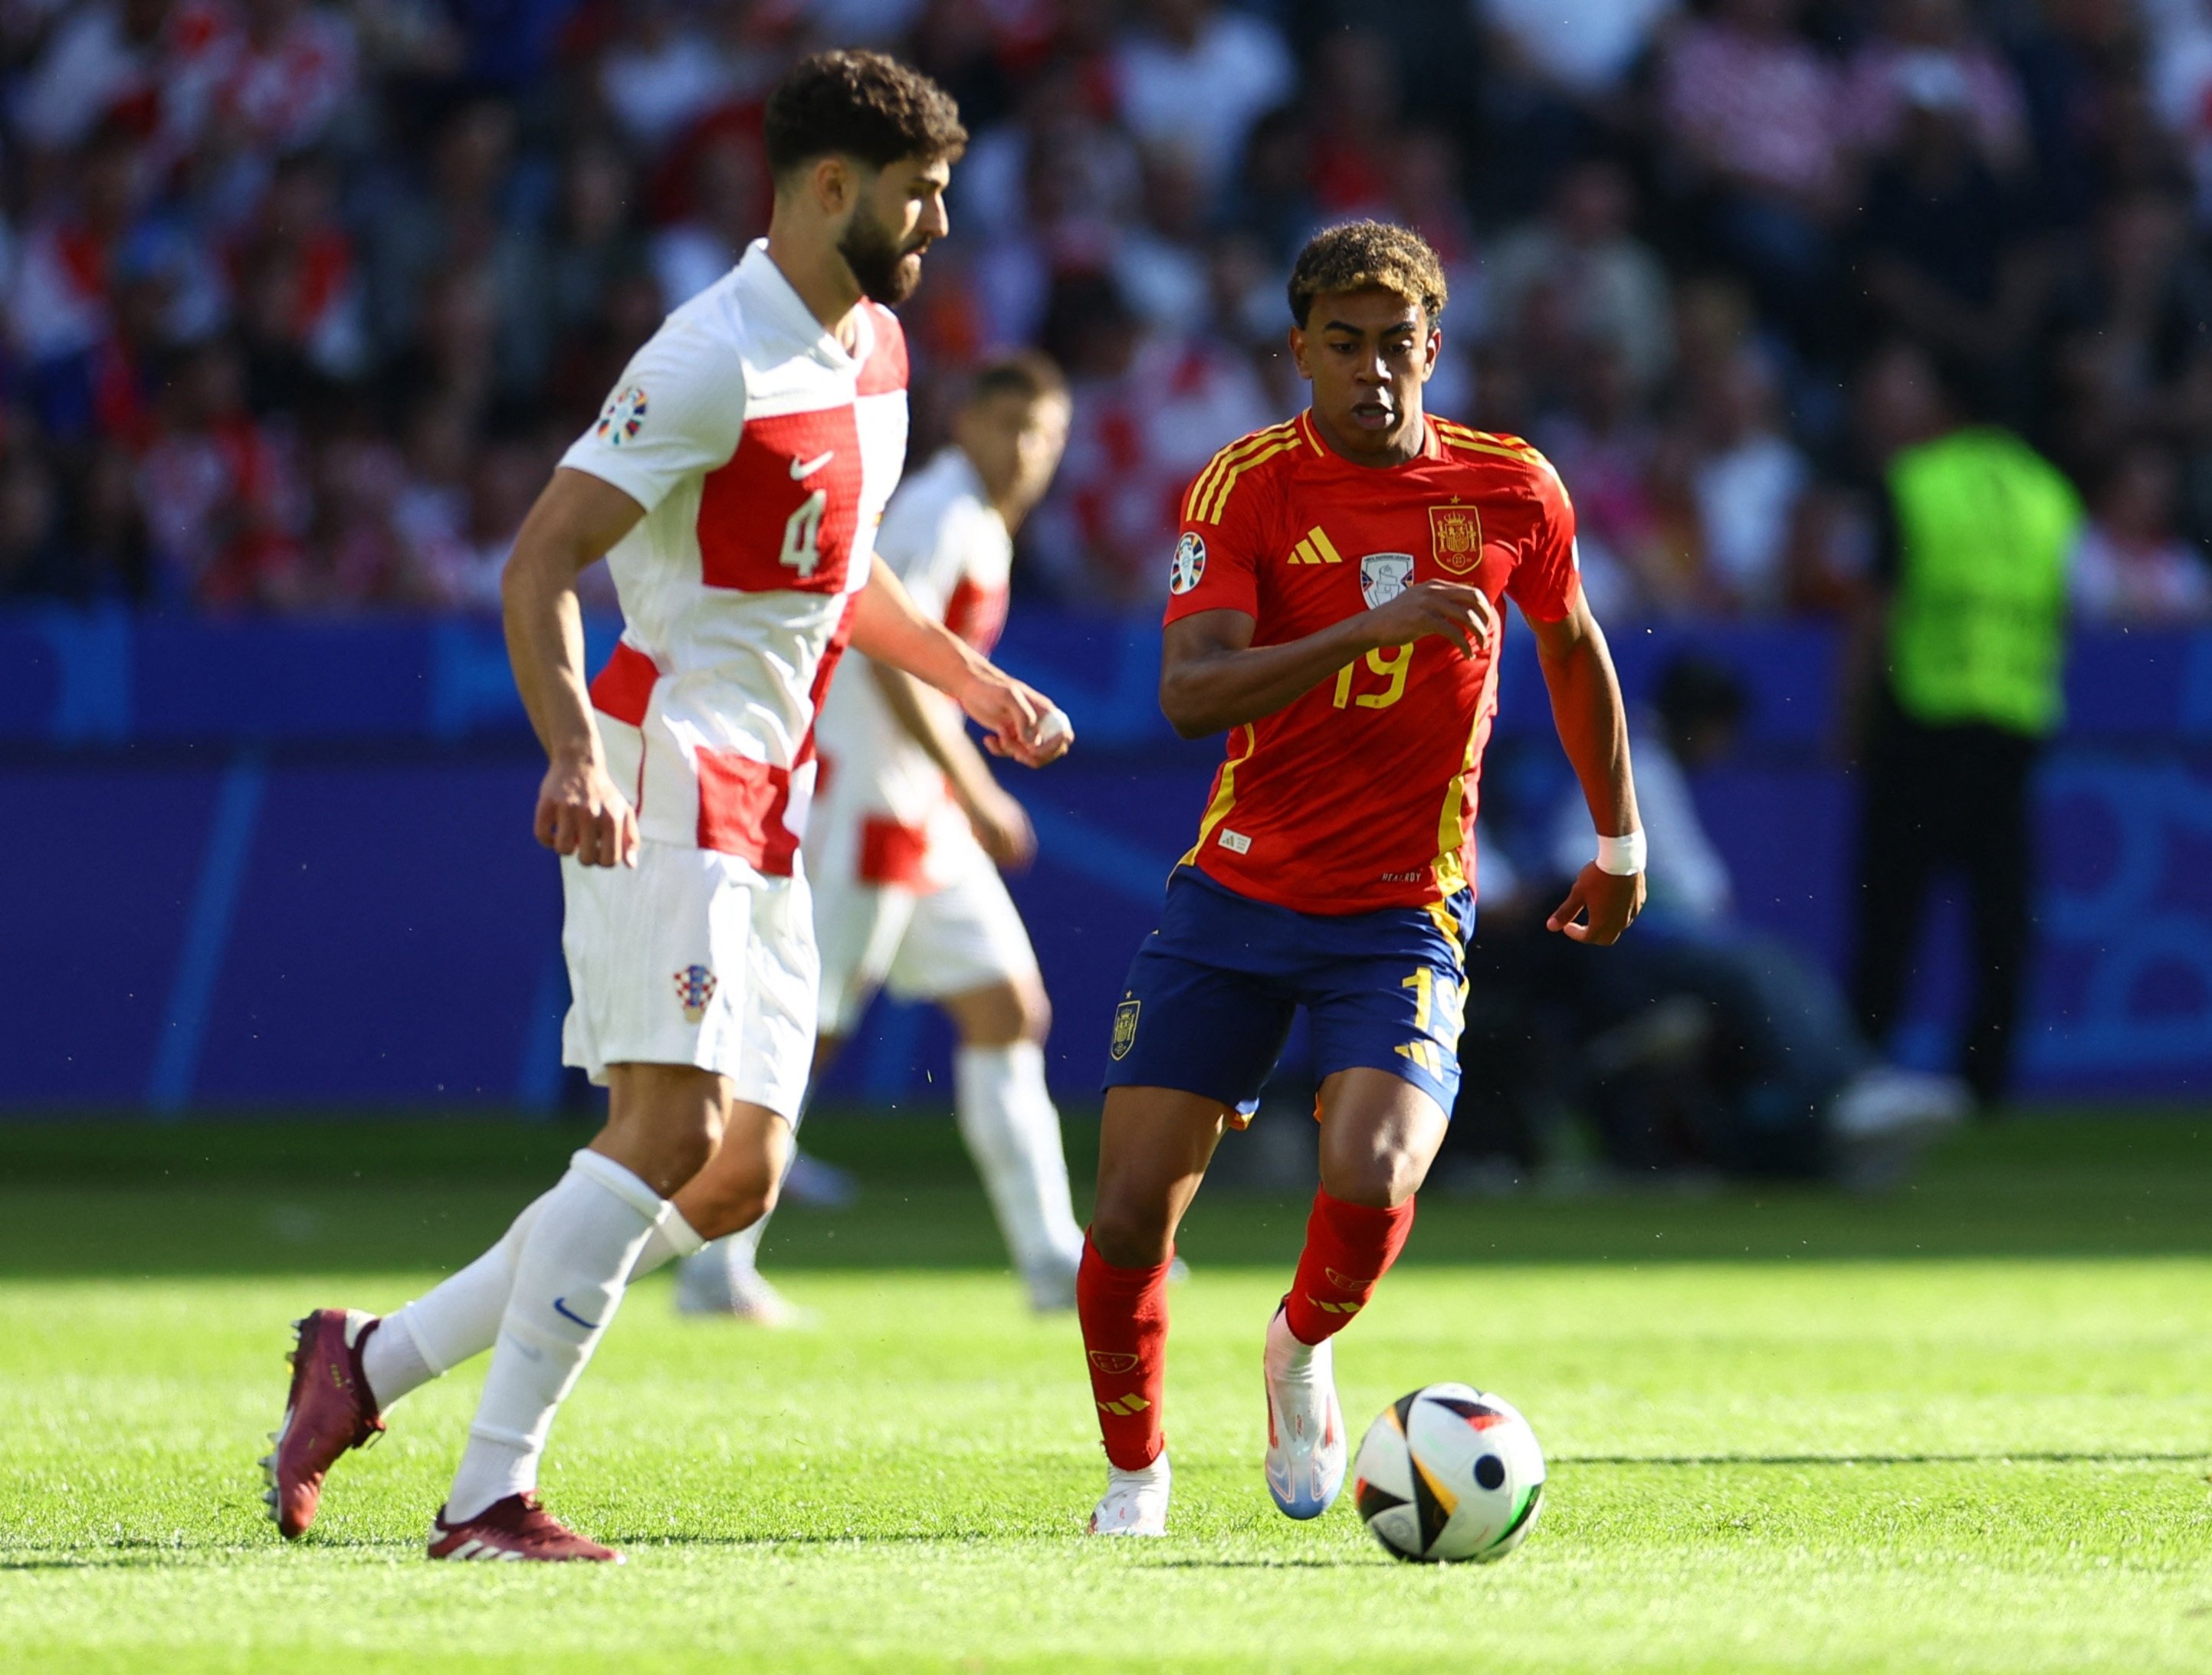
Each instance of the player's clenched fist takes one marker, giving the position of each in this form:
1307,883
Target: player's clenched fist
580,813
1016,719
1460,614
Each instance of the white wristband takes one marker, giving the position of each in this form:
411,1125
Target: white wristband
1622,856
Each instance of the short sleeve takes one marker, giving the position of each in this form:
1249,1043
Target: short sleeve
921,546
1216,565
676,412
1549,574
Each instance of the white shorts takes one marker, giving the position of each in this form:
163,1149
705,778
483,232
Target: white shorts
693,957
965,935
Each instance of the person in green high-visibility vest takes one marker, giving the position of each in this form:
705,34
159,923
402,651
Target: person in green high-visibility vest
1961,686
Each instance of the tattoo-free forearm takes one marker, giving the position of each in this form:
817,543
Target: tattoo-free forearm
942,738
1211,682
545,643
1592,722
889,627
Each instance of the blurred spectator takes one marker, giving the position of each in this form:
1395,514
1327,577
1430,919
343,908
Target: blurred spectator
1925,43
1944,253
1600,282
461,570
302,301
727,205
1962,651
1558,76
1605,447
222,492
662,74
1754,115
1747,479
1150,411
2128,566
34,560
1199,75
289,74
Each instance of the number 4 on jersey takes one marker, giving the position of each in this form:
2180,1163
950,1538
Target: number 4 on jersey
802,530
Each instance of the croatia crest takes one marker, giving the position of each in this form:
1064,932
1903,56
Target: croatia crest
1384,577
694,987
622,417
1456,537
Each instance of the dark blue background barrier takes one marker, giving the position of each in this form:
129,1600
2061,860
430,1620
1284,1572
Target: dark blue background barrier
278,862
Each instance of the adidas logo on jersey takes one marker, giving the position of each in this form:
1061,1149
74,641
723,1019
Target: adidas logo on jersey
1316,548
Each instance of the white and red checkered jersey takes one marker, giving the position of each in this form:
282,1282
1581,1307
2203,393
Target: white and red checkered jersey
950,547
763,454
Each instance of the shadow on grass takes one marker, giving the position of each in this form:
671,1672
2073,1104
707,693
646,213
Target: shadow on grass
326,1198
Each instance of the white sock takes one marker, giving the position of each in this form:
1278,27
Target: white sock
672,1237
739,1251
568,1281
458,1318
1013,1130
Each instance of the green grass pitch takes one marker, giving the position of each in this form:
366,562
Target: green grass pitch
1968,1428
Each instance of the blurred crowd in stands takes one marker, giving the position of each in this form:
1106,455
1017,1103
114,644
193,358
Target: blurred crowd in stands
302,300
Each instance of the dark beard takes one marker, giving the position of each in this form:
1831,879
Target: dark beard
879,261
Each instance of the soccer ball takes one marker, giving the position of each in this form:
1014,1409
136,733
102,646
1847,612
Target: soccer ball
1449,1472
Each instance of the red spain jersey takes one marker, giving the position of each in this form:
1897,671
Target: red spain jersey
1361,794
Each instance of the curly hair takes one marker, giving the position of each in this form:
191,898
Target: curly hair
1363,254
863,104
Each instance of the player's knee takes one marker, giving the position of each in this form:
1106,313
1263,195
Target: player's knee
1382,1180
1131,1234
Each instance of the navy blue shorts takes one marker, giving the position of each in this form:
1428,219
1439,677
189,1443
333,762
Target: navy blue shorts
1211,993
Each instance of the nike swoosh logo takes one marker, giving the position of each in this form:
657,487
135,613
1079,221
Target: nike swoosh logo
806,468
561,1307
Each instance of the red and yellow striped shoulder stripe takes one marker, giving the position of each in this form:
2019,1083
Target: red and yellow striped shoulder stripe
1468,440
1209,493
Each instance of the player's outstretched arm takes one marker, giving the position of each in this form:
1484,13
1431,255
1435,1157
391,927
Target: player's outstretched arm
576,519
1001,824
1593,725
1213,678
1016,719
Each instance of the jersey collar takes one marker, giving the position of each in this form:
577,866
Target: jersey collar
1310,432
765,285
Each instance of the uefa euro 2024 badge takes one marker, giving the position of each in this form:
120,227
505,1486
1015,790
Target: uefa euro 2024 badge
622,417
1189,563
694,987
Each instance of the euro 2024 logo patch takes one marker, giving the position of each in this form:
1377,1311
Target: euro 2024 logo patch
1189,563
622,417
694,987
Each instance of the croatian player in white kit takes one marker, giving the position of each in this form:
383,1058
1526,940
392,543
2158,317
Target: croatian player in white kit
905,848
733,482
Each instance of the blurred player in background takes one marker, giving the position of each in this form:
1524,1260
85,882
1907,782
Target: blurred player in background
733,483
1335,607
905,846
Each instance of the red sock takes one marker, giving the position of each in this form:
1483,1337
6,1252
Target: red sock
1349,1247
1124,1313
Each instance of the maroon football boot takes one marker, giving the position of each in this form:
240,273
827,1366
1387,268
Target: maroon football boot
329,1410
516,1527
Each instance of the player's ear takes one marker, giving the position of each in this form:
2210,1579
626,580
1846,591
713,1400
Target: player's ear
1298,353
832,184
1435,344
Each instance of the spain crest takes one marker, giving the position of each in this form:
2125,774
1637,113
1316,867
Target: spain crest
694,987
1456,537
1125,1027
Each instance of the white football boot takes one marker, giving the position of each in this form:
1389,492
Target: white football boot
1306,1450
1135,1502
720,1279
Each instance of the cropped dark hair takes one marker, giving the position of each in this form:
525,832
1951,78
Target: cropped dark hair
1363,254
1028,373
863,104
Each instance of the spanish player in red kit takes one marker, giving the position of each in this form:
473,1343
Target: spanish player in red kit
1335,609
